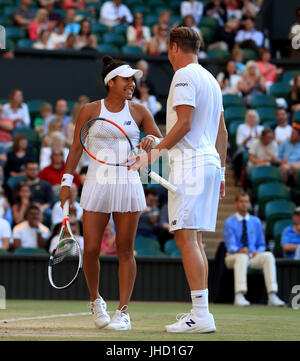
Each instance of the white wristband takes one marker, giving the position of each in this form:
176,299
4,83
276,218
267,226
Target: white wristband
223,174
156,140
67,180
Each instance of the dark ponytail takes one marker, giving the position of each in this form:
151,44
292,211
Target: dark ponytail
110,64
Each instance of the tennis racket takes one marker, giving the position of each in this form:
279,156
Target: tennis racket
66,259
99,135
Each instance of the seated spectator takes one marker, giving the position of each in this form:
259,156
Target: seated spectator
31,233
149,217
56,141
45,112
159,42
72,27
263,150
249,37
5,234
3,156
75,228
4,204
224,37
42,42
193,8
53,15
41,191
246,248
41,22
55,125
294,30
163,21
234,8
238,58
85,38
6,128
23,199
290,237
144,67
289,154
252,82
61,110
295,94
251,9
16,109
108,245
23,15
75,209
115,12
138,34
216,9
16,159
70,43
164,226
245,135
54,172
143,97
58,37
267,70
229,81
283,130
189,21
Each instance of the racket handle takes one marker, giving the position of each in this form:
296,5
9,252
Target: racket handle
66,209
157,178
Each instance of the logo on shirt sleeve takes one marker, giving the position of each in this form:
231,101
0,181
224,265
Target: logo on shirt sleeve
181,84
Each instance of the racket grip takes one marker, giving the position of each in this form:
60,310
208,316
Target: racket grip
66,209
157,178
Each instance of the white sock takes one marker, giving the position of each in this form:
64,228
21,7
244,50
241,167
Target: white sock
200,302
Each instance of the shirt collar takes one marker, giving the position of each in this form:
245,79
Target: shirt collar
240,218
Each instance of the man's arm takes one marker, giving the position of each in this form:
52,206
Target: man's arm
222,140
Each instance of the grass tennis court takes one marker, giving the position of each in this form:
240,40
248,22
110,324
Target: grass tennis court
42,322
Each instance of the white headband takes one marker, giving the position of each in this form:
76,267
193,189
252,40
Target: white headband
124,71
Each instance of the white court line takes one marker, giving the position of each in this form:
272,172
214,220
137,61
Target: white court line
45,317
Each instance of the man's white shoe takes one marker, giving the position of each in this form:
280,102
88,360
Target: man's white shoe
274,300
100,316
240,300
190,323
120,321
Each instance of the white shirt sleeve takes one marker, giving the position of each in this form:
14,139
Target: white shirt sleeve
5,231
184,92
26,115
124,11
107,11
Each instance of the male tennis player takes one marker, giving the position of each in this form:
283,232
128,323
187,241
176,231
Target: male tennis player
197,143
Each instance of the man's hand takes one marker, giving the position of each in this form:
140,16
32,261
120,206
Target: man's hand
255,253
244,250
222,190
146,144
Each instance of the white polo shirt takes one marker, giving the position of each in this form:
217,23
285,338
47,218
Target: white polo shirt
195,86
28,235
5,230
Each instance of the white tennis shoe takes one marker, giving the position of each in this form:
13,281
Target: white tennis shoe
120,321
100,316
190,323
274,300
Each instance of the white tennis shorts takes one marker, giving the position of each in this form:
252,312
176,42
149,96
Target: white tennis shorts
195,204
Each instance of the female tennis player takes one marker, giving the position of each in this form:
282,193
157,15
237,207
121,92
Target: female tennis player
122,196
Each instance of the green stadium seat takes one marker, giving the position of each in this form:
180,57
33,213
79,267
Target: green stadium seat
98,28
175,7
159,9
120,29
218,54
114,39
146,243
278,228
207,33
275,211
264,174
108,48
15,33
85,14
170,246
7,3
25,43
233,100
2,251
130,49
96,6
30,251
141,8
266,114
176,19
150,20
209,22
289,75
270,191
4,100
234,113
156,3
132,3
176,253
12,181
280,90
263,100
297,115
249,54
34,106
150,252
6,21
270,123
8,11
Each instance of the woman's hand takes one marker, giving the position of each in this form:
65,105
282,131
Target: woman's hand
64,195
146,143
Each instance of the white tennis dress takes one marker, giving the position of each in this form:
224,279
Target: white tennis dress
114,189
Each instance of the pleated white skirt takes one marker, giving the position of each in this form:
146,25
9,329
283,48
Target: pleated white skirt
108,198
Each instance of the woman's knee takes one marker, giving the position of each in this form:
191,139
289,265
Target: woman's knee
125,252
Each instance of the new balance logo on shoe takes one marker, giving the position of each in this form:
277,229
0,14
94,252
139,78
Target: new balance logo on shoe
198,296
190,323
